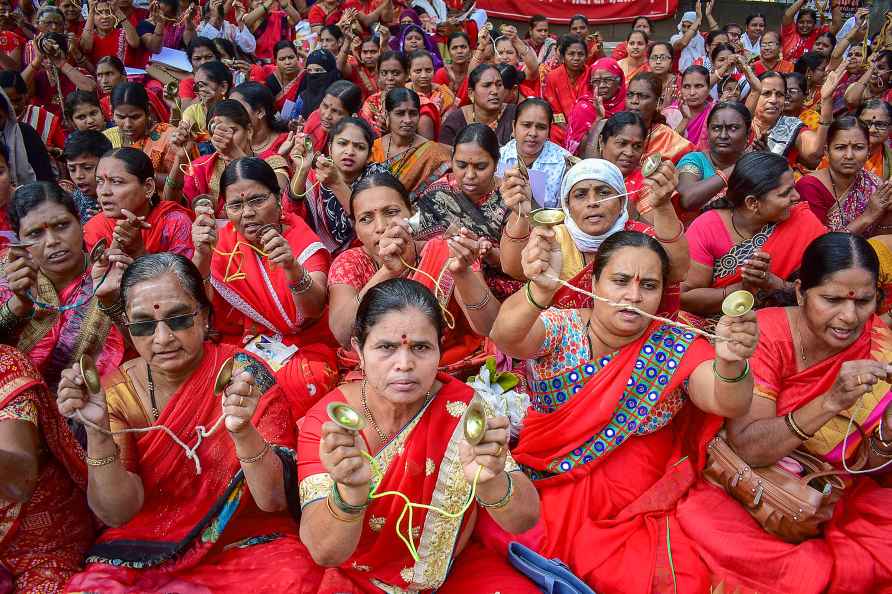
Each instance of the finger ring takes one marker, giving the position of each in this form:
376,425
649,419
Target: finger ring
764,274
858,379
241,400
499,452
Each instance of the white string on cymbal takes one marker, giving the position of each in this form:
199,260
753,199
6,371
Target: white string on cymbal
619,196
639,311
191,453
845,445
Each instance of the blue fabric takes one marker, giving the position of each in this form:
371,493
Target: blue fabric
551,576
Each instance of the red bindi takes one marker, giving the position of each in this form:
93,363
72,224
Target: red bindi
155,306
851,294
405,340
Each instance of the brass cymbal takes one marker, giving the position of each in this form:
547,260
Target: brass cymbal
738,303
651,164
224,376
90,374
98,250
474,423
345,416
547,217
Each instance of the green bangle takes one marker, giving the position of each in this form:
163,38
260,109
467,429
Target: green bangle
731,380
343,505
530,300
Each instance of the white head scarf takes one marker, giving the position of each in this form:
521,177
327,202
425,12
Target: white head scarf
19,167
696,47
690,16
602,171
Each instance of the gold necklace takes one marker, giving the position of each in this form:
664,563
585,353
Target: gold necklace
368,412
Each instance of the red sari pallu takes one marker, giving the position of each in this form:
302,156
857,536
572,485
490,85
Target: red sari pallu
855,553
42,541
252,297
170,231
198,534
614,457
422,462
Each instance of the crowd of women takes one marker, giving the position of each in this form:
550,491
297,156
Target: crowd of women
249,313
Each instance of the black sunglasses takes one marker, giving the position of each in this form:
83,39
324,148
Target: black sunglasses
144,328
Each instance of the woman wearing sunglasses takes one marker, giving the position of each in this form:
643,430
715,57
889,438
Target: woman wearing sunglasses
171,528
132,217
268,273
54,270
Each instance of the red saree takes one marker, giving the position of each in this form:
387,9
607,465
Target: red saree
422,462
208,169
43,540
611,472
204,533
252,297
170,231
562,95
854,554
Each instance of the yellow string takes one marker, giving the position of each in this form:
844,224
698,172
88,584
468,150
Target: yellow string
409,505
438,291
238,274
312,187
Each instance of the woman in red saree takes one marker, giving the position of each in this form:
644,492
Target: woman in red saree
342,99
594,202
605,386
57,272
380,205
817,364
45,526
285,79
564,85
755,241
268,274
229,527
131,218
415,434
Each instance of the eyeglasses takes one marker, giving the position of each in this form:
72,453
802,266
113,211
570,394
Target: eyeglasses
875,124
255,202
145,328
769,44
604,82
661,58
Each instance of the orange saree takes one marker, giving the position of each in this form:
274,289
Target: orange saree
854,554
200,533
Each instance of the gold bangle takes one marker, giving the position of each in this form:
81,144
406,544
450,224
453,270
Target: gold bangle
794,428
347,519
106,460
258,457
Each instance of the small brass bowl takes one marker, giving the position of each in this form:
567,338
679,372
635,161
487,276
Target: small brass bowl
203,200
738,303
90,374
651,164
224,376
547,217
345,416
475,423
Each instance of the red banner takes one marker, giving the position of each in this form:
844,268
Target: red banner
597,11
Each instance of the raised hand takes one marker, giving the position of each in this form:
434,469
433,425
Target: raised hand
464,251
21,274
128,233
326,172
111,265
660,186
73,396
517,192
204,230
278,249
339,452
240,400
756,273
542,259
490,454
397,246
854,380
744,334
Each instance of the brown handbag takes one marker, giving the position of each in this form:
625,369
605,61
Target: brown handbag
790,507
